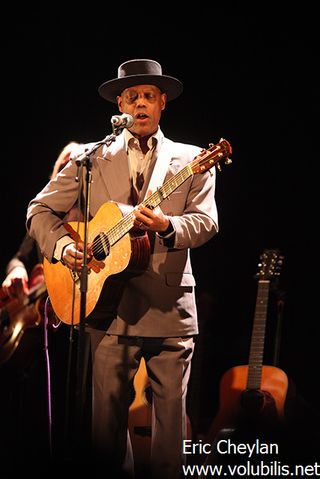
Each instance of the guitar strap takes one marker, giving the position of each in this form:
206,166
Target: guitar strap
161,167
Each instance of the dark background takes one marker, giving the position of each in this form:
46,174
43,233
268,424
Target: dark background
249,77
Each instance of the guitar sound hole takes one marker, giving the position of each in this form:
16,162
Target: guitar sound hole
260,406
252,400
101,247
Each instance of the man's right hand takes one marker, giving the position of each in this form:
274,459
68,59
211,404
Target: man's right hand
72,256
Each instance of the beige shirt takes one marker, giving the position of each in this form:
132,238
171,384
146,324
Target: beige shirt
138,161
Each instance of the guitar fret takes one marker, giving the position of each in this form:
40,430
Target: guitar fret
118,231
168,187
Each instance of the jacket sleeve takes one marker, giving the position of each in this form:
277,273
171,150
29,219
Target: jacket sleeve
198,222
46,212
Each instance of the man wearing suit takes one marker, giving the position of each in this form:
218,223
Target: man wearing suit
156,316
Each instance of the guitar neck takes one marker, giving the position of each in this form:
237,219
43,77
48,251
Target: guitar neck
168,187
154,200
258,336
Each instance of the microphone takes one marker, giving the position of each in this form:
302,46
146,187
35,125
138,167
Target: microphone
122,121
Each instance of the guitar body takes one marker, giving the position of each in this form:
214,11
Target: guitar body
140,413
140,417
131,250
235,409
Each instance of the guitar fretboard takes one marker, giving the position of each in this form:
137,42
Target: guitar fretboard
258,336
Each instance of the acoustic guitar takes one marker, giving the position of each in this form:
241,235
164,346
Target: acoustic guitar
117,246
254,393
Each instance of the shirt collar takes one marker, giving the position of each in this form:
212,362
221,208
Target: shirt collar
153,141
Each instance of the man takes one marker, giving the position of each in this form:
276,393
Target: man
156,316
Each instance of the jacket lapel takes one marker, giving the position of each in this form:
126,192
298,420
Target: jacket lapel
159,168
113,164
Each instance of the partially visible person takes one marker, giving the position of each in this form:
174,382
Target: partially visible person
25,398
21,266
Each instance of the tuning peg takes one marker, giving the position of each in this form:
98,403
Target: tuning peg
228,161
218,166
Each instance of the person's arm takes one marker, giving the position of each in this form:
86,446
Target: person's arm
17,278
199,221
194,218
46,213
20,265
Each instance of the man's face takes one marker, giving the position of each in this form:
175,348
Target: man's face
145,103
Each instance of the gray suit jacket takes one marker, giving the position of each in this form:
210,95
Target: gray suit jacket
161,301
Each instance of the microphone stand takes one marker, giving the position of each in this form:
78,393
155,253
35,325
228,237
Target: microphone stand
84,160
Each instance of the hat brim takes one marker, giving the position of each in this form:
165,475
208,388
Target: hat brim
169,85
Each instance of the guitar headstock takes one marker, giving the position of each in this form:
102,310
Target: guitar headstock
212,157
270,264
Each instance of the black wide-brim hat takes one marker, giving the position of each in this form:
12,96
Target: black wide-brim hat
140,72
